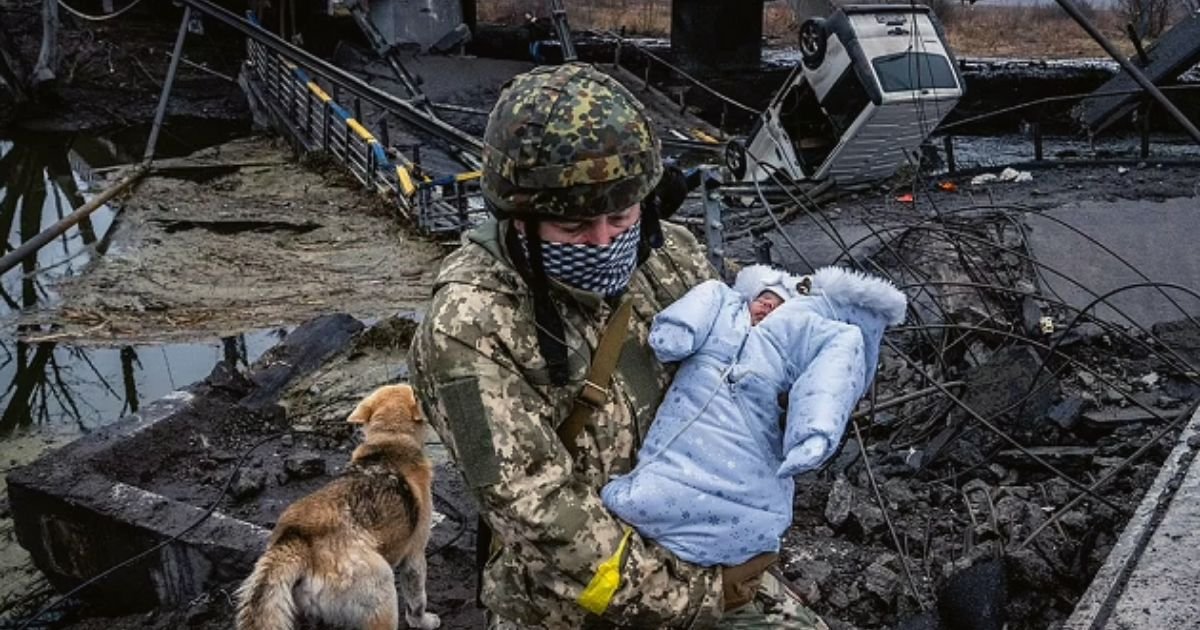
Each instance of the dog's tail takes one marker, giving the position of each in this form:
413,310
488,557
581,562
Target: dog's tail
265,600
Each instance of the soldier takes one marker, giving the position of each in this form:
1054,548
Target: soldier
514,331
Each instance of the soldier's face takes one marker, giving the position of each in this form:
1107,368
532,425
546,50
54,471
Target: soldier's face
762,306
600,230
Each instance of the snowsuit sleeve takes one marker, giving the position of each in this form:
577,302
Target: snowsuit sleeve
841,340
829,358
534,499
681,328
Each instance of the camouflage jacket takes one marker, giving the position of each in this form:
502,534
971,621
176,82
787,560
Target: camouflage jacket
566,562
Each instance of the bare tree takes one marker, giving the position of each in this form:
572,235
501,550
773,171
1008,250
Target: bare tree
1149,17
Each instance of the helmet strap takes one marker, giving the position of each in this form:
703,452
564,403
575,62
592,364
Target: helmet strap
551,332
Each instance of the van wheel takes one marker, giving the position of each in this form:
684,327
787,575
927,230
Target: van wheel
813,36
735,159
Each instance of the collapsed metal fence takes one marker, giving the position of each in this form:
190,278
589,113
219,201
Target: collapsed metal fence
313,119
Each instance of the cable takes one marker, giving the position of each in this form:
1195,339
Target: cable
99,18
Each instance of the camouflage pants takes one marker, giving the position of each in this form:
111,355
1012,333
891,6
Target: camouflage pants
774,606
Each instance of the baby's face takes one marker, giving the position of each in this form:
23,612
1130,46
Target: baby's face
763,305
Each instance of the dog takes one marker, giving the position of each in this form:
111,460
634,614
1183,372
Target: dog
332,553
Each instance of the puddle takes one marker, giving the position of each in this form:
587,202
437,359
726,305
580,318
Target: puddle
51,393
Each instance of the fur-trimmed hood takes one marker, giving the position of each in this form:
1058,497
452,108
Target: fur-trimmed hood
853,288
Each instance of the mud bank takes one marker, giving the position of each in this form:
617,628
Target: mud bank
237,238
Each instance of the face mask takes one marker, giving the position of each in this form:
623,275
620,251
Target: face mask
603,269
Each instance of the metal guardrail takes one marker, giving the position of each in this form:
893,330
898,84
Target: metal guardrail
302,109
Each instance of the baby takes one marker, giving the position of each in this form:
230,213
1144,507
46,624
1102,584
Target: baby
713,481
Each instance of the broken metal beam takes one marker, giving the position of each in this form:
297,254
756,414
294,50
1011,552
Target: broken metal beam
1172,54
1138,76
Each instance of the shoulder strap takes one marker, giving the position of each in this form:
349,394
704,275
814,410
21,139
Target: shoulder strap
595,389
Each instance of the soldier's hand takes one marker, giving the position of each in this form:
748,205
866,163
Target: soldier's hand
740,582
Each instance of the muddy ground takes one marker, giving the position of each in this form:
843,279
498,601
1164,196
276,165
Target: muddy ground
236,238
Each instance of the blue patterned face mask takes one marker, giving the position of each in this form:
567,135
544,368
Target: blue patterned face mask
603,269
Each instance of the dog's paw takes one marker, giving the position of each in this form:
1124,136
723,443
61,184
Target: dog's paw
427,621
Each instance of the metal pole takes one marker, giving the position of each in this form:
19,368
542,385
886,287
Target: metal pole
161,112
1133,71
714,227
47,235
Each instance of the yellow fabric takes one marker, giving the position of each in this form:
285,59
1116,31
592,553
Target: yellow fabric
600,591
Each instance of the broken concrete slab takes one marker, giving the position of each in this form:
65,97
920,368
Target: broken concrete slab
145,479
1112,416
1157,557
1141,233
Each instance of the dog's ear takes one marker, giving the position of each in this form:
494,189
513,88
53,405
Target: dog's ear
363,412
409,398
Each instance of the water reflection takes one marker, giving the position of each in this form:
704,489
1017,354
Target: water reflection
68,390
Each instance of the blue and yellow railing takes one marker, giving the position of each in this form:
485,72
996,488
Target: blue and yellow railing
313,119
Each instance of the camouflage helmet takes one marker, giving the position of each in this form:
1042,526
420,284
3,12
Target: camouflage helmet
568,141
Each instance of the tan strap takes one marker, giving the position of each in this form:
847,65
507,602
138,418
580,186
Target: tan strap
595,389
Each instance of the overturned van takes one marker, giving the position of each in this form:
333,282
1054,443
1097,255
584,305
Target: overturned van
872,84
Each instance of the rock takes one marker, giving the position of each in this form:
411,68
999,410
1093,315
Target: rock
1087,379
808,590
974,598
1031,315
841,498
1066,413
248,483
1182,337
226,376
846,457
881,581
1081,333
1167,402
304,466
1003,384
923,621
1031,570
1112,396
898,494
287,441
1075,521
1193,442
838,599
868,518
818,571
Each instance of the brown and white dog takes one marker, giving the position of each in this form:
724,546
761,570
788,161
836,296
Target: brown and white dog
331,555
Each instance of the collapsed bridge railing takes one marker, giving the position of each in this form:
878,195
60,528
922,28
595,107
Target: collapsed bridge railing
315,121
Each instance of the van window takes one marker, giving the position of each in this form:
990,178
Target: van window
909,71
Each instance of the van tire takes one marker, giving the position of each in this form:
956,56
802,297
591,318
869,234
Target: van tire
813,40
735,159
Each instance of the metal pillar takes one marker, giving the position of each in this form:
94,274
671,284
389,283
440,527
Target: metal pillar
714,226
559,18
1133,70
165,96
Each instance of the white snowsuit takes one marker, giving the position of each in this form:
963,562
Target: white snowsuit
713,481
